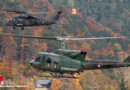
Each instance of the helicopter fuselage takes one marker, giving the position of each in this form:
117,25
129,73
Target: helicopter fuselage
63,64
25,20
22,21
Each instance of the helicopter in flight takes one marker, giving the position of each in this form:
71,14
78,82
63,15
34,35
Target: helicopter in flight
70,61
26,19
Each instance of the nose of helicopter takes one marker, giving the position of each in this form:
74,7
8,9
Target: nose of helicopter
9,23
31,62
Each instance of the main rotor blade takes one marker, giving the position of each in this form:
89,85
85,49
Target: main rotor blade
63,38
23,12
27,36
96,38
14,11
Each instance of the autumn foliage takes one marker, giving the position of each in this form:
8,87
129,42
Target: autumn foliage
94,18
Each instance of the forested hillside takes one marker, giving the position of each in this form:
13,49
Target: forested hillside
94,18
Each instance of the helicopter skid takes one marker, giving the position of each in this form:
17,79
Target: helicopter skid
57,76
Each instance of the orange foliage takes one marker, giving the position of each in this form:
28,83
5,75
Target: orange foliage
65,21
86,47
122,55
96,52
36,6
107,51
111,52
101,26
9,45
44,46
66,10
80,15
56,84
35,43
111,32
118,46
8,16
12,0
30,85
87,58
73,46
91,24
80,34
103,20
97,79
76,83
38,30
48,5
5,68
25,2
1,29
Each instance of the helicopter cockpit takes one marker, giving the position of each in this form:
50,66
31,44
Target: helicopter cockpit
11,22
37,59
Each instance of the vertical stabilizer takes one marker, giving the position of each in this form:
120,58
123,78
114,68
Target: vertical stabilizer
57,15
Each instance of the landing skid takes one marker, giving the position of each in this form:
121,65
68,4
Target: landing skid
57,76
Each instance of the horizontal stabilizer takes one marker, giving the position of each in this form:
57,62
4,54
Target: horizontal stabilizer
127,59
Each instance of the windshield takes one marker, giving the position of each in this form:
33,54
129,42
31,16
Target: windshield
37,59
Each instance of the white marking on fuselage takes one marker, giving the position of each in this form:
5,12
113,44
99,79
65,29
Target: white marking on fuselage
19,24
99,65
69,69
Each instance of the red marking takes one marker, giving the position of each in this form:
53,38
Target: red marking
1,78
1,81
74,11
117,64
22,55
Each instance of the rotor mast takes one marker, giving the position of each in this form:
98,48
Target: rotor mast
63,41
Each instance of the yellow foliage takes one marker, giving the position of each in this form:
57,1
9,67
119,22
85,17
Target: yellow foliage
44,46
56,84
19,82
1,29
118,46
97,79
101,26
122,55
6,69
38,31
96,52
76,83
86,46
30,85
87,58
111,52
22,66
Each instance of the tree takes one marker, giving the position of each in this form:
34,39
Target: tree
56,84
121,81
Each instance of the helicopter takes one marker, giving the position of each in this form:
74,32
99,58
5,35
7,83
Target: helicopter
70,61
26,19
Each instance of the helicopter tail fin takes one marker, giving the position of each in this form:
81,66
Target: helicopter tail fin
81,56
127,59
57,15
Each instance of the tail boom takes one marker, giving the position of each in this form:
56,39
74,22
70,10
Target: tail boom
92,65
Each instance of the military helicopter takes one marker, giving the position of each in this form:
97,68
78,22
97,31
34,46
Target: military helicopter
26,19
70,61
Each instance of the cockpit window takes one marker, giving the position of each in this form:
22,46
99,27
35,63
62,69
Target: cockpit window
37,59
49,60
